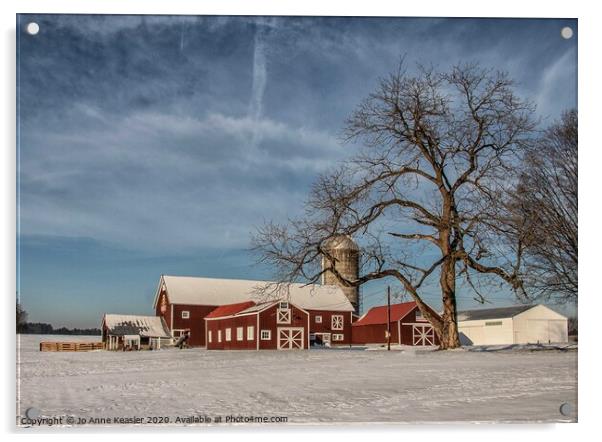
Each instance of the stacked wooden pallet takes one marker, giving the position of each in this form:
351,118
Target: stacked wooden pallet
71,346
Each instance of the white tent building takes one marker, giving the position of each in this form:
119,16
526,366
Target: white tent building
522,324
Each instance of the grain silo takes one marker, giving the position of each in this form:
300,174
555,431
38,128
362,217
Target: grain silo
346,254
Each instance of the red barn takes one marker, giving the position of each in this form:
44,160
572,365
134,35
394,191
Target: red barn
184,303
275,325
407,326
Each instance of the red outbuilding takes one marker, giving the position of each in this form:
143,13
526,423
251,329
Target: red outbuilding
276,325
407,326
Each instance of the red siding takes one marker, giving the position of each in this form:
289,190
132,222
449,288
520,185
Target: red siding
195,323
233,323
375,333
326,325
267,321
407,334
411,317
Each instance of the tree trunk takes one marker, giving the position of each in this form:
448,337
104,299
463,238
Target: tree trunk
448,335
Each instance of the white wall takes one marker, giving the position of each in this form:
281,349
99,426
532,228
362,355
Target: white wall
540,325
486,332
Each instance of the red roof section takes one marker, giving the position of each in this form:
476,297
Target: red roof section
378,315
229,309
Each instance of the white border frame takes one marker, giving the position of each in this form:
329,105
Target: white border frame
589,96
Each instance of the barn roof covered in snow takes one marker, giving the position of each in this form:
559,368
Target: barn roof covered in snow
190,290
146,326
229,309
492,313
378,315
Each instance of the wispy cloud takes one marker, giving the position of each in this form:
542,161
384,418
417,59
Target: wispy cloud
558,85
153,131
260,78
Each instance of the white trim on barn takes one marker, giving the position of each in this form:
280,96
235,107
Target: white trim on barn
423,334
337,322
290,338
258,333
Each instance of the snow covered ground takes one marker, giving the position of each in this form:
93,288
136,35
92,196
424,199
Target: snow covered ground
315,386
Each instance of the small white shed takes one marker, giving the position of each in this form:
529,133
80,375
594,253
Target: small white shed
521,324
133,332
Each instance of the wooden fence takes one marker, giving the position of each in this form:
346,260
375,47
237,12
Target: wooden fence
71,346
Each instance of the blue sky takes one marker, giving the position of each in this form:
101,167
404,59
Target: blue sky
156,144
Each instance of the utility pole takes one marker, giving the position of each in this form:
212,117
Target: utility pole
388,318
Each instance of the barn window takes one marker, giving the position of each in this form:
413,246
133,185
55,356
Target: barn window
266,335
284,316
210,337
493,323
228,334
284,305
318,319
176,333
419,315
250,333
240,333
219,336
185,314
338,337
337,322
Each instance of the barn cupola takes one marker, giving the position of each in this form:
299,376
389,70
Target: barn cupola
345,253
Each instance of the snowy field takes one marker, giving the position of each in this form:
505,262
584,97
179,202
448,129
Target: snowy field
315,386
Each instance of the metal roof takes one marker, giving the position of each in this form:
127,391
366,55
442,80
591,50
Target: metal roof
147,326
229,309
188,290
242,308
493,313
378,315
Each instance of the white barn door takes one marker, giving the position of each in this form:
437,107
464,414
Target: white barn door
423,335
290,338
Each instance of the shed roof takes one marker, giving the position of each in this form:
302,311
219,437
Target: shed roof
241,308
378,315
190,290
147,326
257,307
493,313
229,309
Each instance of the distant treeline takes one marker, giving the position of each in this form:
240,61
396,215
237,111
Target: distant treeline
40,328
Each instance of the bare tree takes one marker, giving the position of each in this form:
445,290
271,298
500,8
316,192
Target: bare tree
545,204
21,317
439,148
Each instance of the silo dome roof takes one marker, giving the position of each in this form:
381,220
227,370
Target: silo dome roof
341,242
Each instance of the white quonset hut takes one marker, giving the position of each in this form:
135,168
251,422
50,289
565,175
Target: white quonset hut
521,324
